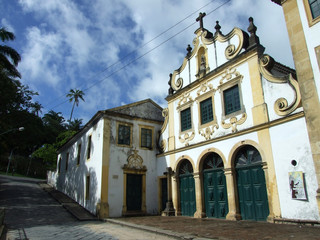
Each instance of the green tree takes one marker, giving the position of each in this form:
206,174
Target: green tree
74,96
36,108
14,96
9,58
54,123
48,152
75,125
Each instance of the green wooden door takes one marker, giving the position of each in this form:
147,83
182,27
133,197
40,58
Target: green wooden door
134,192
215,189
187,189
253,199
164,193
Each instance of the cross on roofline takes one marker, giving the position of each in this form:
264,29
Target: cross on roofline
200,18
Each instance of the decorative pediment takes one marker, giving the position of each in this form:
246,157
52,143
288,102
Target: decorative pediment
228,74
208,131
186,138
207,52
231,50
177,84
234,122
135,161
204,87
184,99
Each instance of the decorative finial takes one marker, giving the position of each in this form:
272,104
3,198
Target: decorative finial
200,18
189,48
217,27
252,29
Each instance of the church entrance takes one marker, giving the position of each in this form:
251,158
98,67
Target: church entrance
251,185
134,192
187,189
214,186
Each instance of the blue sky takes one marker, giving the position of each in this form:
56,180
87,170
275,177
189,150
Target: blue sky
85,44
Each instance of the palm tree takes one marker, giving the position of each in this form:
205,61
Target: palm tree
9,58
75,125
74,95
36,108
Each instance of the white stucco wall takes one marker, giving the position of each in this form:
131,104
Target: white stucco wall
290,142
272,92
118,158
243,69
73,181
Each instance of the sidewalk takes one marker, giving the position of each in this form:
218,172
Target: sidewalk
193,228
73,207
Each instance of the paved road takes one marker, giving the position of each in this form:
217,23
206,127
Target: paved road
32,214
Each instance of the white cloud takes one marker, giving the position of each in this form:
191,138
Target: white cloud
76,41
5,23
40,58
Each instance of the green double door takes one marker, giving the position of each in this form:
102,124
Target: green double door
214,186
134,192
215,193
187,195
187,189
252,192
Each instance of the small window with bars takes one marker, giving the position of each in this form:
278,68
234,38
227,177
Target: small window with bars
124,133
206,111
231,100
146,138
185,119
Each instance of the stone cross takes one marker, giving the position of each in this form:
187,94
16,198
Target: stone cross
169,211
200,18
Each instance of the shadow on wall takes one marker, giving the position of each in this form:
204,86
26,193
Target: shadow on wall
78,181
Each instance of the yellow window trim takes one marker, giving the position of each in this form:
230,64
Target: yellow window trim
131,130
152,136
312,21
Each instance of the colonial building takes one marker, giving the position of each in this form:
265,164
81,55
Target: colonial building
109,167
303,24
235,140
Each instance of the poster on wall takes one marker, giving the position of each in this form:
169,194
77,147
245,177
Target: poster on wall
297,187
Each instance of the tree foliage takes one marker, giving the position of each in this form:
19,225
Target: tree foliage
42,137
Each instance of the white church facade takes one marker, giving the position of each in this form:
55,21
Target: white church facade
232,142
235,136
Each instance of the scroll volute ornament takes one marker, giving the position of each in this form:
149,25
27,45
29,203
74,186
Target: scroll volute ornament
281,106
231,51
177,82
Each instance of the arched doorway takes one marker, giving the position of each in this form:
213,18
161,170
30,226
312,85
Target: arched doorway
187,189
251,185
214,186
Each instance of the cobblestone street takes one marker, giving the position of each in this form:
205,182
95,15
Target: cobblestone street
82,230
32,213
